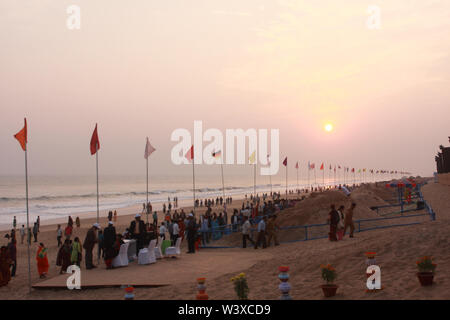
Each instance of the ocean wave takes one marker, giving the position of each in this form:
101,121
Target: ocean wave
129,194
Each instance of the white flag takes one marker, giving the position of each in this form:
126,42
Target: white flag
148,149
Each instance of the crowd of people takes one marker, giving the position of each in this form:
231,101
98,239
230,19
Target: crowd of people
256,219
340,220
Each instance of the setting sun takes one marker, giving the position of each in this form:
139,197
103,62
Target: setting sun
328,127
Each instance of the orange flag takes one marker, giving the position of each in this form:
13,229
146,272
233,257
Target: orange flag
21,136
95,143
321,167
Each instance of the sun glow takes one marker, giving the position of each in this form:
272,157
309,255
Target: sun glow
328,127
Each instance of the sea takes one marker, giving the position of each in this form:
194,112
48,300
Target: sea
54,197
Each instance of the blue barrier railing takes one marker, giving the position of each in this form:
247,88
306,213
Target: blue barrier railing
320,231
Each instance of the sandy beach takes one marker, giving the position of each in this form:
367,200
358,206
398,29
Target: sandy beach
397,250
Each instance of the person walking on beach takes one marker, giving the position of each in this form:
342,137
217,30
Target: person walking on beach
70,221
115,216
88,245
271,231
59,235
110,215
22,234
348,223
35,231
77,251
191,233
38,222
333,219
109,239
14,223
77,222
261,233
68,232
246,233
42,261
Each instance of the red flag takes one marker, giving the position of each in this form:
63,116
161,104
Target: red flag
285,162
353,169
321,167
296,165
190,154
339,166
21,136
95,143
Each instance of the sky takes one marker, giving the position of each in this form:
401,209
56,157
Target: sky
145,68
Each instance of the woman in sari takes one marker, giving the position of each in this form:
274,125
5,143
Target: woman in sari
5,263
76,252
42,260
64,256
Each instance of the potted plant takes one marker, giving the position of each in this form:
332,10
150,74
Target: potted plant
329,275
241,286
426,270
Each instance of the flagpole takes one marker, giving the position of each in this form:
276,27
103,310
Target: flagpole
254,180
223,183
323,177
270,181
96,163
193,180
309,169
146,204
315,180
286,181
329,175
297,179
28,221
335,182
98,210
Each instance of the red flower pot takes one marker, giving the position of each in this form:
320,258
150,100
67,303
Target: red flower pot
329,290
425,278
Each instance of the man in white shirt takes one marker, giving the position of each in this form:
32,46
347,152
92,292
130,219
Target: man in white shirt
175,232
261,233
162,231
246,233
